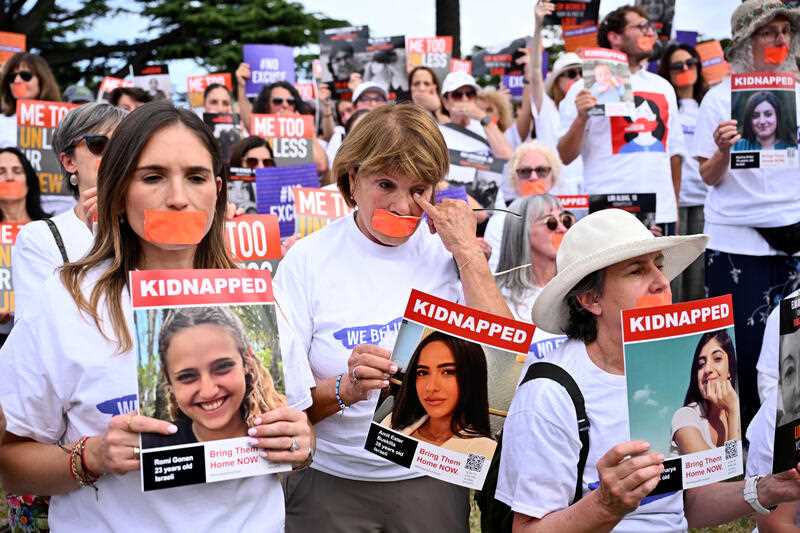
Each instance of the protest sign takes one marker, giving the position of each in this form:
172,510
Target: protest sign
254,241
515,85
226,129
338,48
686,37
764,107
307,90
290,136
196,86
242,189
580,36
36,122
155,80
787,418
268,63
384,60
607,76
642,205
447,355
110,83
478,161
432,52
274,192
188,319
10,44
315,208
573,13
680,366
461,65
577,204
712,59
8,235
499,61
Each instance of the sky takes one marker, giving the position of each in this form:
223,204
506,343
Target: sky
483,23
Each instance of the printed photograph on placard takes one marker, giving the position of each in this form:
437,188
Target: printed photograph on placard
242,189
787,419
764,107
226,130
607,76
680,368
642,204
210,369
446,404
155,80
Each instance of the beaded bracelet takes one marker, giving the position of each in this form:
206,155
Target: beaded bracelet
339,400
77,467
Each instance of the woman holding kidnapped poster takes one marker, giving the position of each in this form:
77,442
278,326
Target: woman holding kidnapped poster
73,430
343,290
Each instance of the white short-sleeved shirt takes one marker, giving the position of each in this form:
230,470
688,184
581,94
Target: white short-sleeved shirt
541,445
63,379
639,163
767,366
761,435
8,130
339,289
693,190
691,416
36,256
744,198
493,235
548,128
334,143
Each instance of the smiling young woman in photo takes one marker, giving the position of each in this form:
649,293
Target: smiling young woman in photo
762,127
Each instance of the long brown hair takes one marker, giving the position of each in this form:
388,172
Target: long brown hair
48,88
116,242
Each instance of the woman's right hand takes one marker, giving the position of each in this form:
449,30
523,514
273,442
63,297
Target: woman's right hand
428,100
584,101
88,201
116,451
722,394
242,74
368,368
541,10
726,135
627,474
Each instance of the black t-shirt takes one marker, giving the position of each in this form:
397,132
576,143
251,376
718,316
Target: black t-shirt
185,435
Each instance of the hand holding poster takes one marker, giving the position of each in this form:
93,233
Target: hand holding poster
196,86
289,136
432,52
268,63
680,367
453,361
607,76
787,419
188,322
274,187
315,208
764,107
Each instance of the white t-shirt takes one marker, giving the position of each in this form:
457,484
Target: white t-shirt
62,377
691,416
56,204
339,289
35,255
761,435
8,130
693,190
541,445
767,366
514,140
493,235
744,198
334,143
612,164
548,128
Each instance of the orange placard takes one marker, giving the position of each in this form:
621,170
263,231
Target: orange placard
174,227
461,65
581,36
712,58
10,44
197,85
282,126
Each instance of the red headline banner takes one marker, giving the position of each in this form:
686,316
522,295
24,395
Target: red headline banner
762,80
461,65
197,85
184,288
40,113
471,324
574,201
8,233
319,203
283,126
605,54
253,237
664,321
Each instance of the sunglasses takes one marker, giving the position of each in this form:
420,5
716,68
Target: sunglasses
252,162
95,143
26,75
572,73
463,95
566,219
376,99
280,101
525,173
677,66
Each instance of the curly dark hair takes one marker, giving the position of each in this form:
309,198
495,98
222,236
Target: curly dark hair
263,103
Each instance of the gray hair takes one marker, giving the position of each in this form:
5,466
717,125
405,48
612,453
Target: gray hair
92,118
515,248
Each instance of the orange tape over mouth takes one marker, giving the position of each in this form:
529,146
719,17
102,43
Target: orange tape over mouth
12,190
531,187
556,239
775,55
18,90
174,227
685,78
645,43
397,226
654,300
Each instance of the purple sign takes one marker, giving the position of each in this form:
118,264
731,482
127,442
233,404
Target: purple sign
275,195
268,63
515,85
686,37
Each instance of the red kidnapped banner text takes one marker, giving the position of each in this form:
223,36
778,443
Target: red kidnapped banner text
182,288
677,319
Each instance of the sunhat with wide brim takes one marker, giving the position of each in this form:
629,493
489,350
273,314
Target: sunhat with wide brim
565,61
603,239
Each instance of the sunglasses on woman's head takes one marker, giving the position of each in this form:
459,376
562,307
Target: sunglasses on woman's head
526,173
677,66
95,143
252,162
280,101
26,75
567,219
572,73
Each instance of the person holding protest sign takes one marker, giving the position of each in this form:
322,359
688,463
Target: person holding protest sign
160,159
387,167
751,214
42,247
608,262
217,99
24,76
426,91
129,98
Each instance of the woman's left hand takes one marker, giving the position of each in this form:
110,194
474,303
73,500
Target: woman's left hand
455,223
284,434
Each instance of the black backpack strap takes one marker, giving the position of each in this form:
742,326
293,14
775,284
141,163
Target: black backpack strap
559,375
468,133
57,237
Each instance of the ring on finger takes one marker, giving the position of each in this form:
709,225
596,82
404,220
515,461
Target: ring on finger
353,375
130,419
295,445
136,452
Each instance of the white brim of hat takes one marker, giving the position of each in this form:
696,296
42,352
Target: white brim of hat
550,312
553,75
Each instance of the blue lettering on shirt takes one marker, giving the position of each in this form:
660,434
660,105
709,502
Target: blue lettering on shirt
118,406
371,334
647,499
545,347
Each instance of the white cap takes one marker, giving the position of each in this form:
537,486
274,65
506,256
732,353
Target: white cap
564,61
365,86
455,80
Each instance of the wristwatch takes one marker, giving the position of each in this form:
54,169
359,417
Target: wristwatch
751,495
485,121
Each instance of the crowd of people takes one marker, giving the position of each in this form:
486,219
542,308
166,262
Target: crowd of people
498,239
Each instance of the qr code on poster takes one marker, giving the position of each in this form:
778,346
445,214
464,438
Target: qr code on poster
475,462
731,449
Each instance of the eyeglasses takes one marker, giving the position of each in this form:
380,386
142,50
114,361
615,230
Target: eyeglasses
252,162
572,73
772,35
566,219
462,95
280,101
376,99
644,27
677,66
26,75
95,143
525,173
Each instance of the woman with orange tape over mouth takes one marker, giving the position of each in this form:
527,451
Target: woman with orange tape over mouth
161,159
343,290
